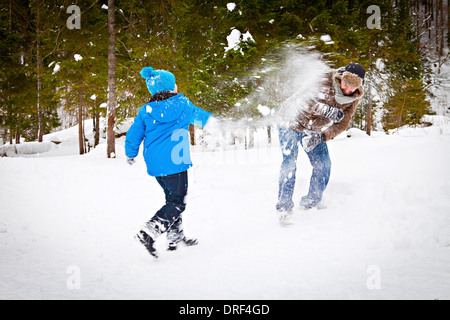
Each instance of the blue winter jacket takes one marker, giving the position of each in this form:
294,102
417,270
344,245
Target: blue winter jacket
163,126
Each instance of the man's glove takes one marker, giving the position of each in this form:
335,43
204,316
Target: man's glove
312,139
131,161
334,114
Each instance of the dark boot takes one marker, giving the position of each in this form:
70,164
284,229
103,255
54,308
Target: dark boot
175,235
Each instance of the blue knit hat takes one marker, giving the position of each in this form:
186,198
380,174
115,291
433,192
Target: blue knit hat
158,80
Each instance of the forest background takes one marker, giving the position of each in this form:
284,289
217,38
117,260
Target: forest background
62,62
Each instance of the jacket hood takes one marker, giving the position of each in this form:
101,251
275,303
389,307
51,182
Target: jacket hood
338,79
168,109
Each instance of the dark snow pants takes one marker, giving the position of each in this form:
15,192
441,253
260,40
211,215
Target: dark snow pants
175,188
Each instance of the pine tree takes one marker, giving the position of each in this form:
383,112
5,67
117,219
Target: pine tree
82,66
407,95
46,20
189,39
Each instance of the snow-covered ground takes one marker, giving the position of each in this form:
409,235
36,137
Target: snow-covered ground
67,224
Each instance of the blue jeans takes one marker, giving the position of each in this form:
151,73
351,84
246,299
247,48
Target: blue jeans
320,161
175,188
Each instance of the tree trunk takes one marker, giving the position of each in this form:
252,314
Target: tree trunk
39,106
430,13
369,91
111,147
192,134
251,138
97,127
369,109
10,15
437,28
80,123
96,122
441,46
39,80
448,24
5,135
17,133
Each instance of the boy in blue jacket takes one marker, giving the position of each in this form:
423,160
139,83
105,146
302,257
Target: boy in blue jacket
162,125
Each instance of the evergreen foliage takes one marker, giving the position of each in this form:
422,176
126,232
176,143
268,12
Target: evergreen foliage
40,73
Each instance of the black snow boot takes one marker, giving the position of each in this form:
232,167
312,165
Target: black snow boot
148,242
175,235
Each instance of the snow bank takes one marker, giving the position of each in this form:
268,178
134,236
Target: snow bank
439,125
356,133
26,148
440,121
123,127
64,142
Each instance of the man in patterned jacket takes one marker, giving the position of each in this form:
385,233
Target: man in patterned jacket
321,121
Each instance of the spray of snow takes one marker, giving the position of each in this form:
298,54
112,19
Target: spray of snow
288,82
299,81
264,110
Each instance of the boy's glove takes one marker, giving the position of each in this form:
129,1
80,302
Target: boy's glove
131,161
312,139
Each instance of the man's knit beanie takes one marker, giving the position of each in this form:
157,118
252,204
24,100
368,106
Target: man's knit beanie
354,75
